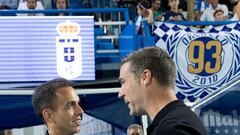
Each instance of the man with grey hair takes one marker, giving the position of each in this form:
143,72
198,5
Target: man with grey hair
135,129
148,81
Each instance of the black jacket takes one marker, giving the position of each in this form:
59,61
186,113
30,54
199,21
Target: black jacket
176,119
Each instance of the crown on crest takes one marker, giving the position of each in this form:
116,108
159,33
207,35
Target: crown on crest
68,28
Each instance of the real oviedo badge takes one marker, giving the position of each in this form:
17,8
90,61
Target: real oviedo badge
68,49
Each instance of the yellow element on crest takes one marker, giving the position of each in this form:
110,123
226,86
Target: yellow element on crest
68,28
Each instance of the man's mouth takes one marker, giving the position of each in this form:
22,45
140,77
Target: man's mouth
77,122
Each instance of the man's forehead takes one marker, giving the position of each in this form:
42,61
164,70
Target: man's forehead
126,65
124,70
67,93
134,130
31,0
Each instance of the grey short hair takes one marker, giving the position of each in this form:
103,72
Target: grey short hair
137,126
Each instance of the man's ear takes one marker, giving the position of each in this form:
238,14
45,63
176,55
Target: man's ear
48,115
146,77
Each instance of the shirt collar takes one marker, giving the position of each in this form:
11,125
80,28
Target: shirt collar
47,133
161,114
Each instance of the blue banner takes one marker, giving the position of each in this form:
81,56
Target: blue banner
206,59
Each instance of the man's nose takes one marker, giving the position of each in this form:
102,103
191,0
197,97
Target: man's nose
79,110
121,93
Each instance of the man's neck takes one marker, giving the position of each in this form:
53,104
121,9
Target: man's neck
174,10
154,9
159,100
215,6
56,132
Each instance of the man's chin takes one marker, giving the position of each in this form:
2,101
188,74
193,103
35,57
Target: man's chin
134,113
76,130
131,113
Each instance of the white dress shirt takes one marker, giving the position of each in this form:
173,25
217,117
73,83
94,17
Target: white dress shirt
23,6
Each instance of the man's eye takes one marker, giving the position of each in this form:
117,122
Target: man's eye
121,81
71,105
68,106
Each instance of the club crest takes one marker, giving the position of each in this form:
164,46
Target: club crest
68,48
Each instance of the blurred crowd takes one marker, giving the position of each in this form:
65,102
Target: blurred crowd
153,10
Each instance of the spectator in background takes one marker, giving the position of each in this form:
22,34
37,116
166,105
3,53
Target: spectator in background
61,4
214,5
8,4
173,14
39,4
57,104
31,5
218,15
155,9
135,129
143,15
199,8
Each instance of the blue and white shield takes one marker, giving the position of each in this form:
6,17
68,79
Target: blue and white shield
69,56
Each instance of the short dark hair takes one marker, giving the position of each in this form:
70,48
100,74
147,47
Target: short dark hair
218,10
44,95
157,61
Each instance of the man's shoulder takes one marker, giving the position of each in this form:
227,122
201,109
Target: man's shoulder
208,9
223,7
180,119
178,126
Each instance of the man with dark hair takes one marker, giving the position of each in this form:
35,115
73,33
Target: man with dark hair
134,129
218,15
30,5
57,104
148,81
